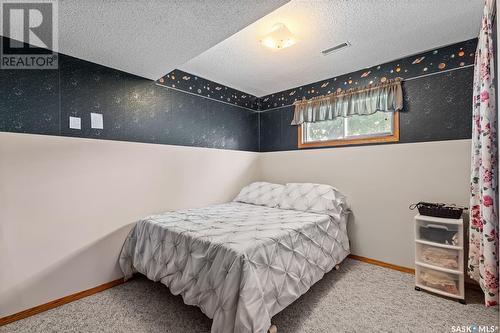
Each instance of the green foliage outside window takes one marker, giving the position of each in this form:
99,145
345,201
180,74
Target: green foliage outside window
376,124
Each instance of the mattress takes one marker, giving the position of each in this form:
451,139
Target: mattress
240,263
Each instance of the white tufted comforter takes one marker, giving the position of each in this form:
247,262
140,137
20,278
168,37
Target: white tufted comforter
240,263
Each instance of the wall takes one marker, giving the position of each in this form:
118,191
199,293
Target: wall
455,56
437,90
68,200
199,86
430,163
69,197
436,107
133,108
67,204
380,182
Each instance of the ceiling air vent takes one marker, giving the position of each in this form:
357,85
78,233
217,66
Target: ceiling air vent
336,48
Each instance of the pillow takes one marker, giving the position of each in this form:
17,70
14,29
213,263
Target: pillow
261,193
316,198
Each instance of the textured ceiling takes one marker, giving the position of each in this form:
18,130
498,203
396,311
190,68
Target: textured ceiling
379,31
151,38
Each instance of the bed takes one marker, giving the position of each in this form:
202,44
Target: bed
242,262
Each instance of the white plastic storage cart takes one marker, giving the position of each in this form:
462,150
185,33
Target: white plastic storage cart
439,256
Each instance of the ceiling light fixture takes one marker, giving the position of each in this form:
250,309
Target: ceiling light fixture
336,48
279,37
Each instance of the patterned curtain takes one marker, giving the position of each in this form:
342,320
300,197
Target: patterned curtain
386,96
483,230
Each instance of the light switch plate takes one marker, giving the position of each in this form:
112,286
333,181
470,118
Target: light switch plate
75,123
96,120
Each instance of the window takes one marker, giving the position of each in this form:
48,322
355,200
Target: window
356,129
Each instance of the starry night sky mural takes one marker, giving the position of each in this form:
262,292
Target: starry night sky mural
133,108
438,60
184,109
436,107
197,85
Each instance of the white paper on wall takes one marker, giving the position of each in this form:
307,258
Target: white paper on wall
96,120
75,123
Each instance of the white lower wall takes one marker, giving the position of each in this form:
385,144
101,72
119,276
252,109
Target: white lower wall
380,183
67,204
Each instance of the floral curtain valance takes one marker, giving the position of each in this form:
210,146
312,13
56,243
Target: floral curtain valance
386,97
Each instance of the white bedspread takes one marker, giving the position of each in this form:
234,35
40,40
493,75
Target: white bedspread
240,263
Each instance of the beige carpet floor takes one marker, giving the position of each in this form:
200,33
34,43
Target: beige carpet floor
358,298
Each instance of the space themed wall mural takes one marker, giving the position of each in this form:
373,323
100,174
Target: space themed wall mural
132,108
442,59
185,109
437,89
193,84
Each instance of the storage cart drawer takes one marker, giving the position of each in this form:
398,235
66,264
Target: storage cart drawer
438,256
447,283
441,233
